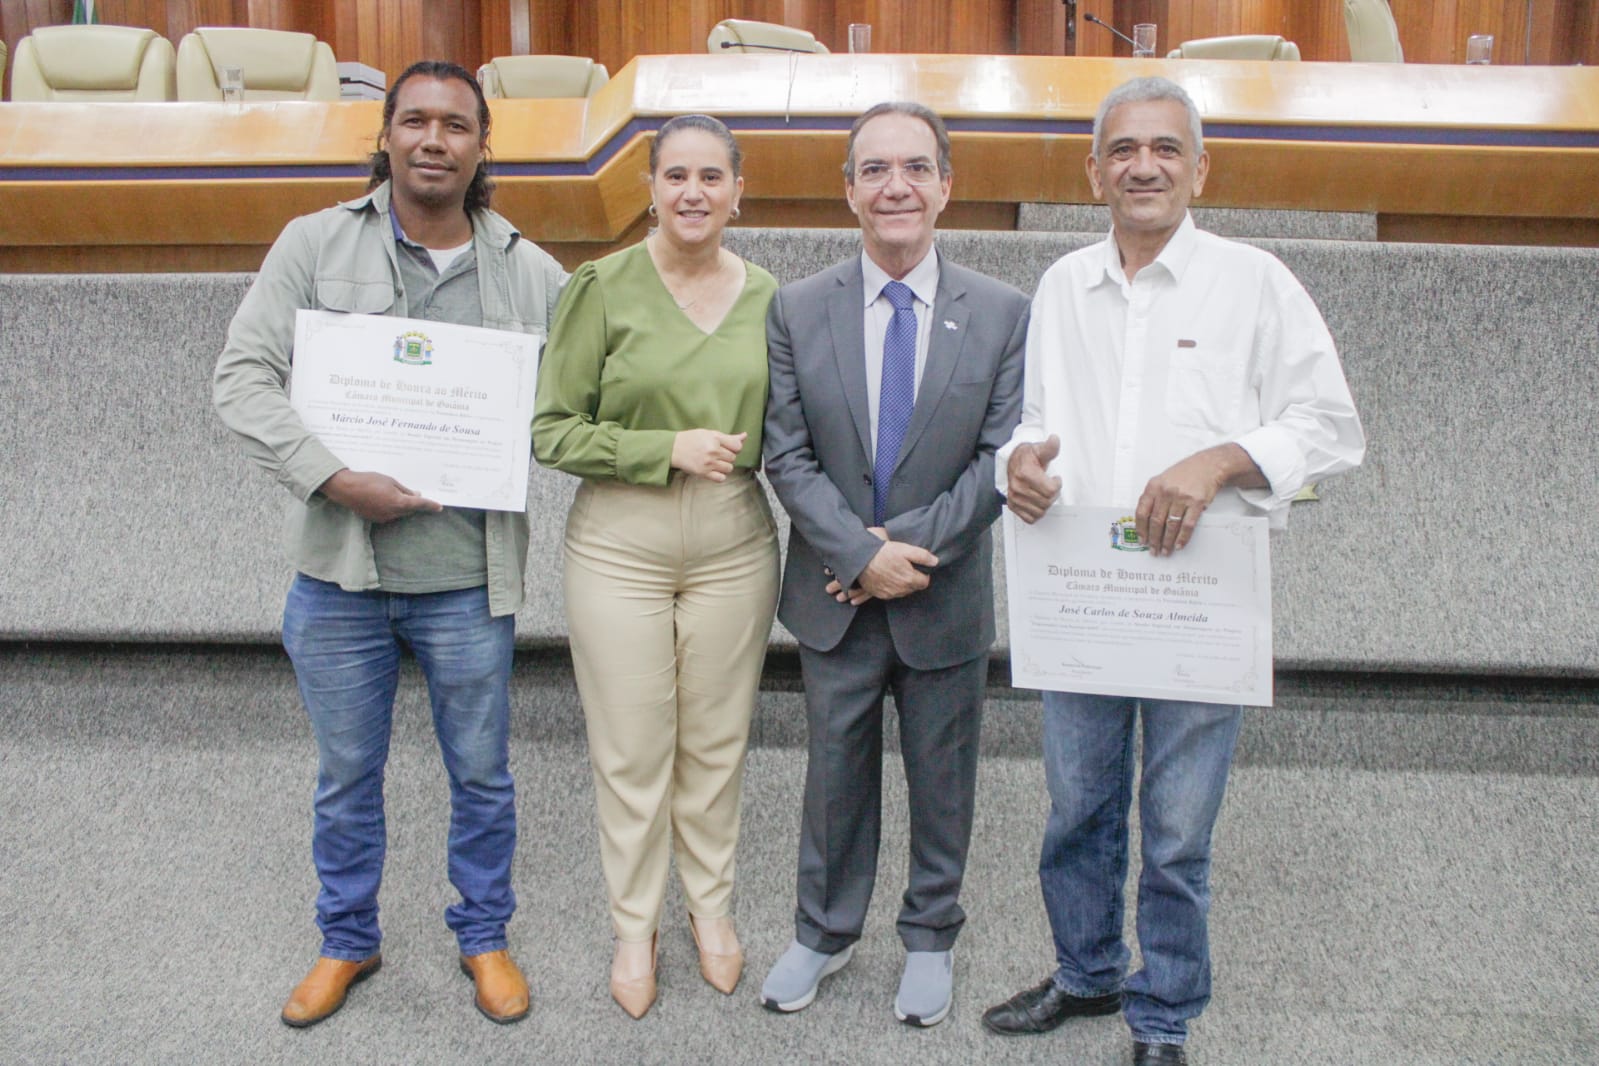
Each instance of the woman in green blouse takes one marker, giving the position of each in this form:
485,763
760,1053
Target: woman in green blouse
653,390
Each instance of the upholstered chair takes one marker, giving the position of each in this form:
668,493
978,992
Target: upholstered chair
103,63
277,64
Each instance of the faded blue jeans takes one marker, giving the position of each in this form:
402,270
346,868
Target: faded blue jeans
1088,764
346,649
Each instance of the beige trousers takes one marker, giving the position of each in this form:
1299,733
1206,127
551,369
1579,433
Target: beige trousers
670,594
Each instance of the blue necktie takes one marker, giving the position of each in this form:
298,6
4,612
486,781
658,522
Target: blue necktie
897,397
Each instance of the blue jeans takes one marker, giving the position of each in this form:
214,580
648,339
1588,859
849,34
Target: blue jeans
1088,764
346,648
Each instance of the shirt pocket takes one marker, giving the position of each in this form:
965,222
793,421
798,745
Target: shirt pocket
1204,389
374,297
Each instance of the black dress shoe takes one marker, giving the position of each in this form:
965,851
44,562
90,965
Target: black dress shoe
1038,1010
1158,1054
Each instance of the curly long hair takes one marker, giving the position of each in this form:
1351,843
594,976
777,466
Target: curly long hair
481,189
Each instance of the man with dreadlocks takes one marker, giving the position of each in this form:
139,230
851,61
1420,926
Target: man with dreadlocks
380,567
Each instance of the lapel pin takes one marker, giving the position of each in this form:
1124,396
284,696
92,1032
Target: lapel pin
950,325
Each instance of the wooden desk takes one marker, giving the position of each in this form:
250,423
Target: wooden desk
1490,154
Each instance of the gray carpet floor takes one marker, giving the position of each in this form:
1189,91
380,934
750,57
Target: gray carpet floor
1405,872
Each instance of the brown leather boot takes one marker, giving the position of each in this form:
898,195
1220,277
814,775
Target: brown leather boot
501,989
324,988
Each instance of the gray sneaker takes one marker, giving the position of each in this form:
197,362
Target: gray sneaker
927,988
791,983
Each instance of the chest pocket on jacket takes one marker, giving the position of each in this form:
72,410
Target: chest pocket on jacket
355,297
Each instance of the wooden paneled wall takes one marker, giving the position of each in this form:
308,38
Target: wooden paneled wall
613,31
386,34
389,34
19,17
1562,32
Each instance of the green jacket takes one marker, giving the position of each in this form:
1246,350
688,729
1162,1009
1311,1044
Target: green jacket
343,259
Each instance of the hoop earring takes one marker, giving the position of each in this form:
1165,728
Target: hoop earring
652,209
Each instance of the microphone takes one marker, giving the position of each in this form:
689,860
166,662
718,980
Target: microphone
793,67
1096,20
767,47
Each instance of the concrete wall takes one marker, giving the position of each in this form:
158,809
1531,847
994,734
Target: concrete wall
1463,545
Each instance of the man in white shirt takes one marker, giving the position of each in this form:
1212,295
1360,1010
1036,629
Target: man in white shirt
1172,372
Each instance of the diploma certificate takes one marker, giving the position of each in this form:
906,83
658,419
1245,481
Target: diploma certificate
1091,610
445,410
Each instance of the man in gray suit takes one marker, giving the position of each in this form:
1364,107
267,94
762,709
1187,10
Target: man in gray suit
895,377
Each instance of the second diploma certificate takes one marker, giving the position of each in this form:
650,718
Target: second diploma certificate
1091,610
445,410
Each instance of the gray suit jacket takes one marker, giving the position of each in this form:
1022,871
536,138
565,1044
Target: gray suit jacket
818,456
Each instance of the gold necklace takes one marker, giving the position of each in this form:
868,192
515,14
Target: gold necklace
707,283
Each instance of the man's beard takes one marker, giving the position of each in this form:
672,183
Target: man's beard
434,196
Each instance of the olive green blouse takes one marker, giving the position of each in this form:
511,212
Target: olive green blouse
624,371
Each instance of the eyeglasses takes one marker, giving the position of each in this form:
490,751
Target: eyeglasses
917,173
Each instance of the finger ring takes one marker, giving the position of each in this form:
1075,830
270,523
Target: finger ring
1174,518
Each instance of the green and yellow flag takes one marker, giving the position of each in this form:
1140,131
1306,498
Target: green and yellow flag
83,12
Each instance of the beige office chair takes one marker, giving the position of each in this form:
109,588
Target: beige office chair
1243,46
1373,34
113,63
541,77
745,35
277,64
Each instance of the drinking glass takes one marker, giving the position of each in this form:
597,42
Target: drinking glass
1144,40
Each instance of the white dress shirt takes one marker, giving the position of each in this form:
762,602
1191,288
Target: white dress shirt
1214,342
923,281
